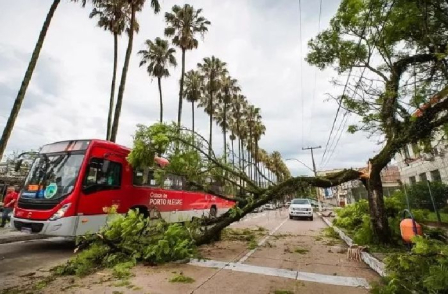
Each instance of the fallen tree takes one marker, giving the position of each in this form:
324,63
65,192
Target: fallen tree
395,55
192,160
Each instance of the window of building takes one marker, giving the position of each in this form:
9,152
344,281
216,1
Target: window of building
103,173
435,176
423,177
412,180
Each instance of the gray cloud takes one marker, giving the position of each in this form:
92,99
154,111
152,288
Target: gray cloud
259,40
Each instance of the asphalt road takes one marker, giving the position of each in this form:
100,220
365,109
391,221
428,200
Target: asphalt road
276,256
31,257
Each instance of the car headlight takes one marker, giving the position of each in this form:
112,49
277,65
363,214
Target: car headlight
60,213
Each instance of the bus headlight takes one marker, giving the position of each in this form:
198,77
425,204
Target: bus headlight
60,213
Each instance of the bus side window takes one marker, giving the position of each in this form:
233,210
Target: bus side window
144,178
97,179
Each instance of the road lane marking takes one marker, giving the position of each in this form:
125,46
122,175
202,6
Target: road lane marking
283,273
248,254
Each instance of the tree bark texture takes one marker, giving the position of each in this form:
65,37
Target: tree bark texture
113,136
112,88
181,90
159,81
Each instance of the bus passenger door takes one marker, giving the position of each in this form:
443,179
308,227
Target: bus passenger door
101,189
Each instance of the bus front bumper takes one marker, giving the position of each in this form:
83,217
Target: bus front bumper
64,226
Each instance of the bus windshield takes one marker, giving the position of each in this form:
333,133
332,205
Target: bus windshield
52,176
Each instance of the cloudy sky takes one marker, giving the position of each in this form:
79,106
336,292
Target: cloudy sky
260,40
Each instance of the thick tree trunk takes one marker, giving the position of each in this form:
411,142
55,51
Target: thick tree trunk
26,80
124,72
378,217
181,90
112,88
161,101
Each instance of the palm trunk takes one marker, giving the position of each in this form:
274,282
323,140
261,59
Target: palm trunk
179,110
124,72
225,132
242,156
257,176
112,88
192,117
239,155
26,79
210,104
233,154
159,81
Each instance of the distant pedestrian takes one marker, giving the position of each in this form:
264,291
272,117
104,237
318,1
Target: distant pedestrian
9,202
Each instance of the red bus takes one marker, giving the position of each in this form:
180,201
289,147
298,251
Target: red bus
70,184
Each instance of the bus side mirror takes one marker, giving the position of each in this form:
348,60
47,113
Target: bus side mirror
105,166
18,165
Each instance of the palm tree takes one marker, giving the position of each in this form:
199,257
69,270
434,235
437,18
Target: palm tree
238,106
258,131
111,17
193,90
135,6
158,56
212,69
253,116
183,24
229,88
26,79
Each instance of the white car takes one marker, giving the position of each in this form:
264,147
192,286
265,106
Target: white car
269,206
301,208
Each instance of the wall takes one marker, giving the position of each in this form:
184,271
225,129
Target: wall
412,165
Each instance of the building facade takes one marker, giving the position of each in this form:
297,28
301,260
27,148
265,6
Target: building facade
417,163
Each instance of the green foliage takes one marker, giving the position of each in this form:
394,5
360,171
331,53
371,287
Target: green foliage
355,219
351,216
182,279
423,270
127,240
149,141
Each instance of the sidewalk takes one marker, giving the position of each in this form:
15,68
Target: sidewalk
8,235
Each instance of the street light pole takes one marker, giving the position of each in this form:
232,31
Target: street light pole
315,173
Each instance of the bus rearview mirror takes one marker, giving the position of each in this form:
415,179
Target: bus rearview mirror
18,165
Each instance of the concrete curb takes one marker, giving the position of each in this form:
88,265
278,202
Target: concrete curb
18,237
376,265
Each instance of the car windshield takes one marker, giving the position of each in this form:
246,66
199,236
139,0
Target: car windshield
300,201
52,176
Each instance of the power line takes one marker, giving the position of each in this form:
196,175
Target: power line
346,83
313,102
344,123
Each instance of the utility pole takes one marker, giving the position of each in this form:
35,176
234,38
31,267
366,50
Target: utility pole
315,173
